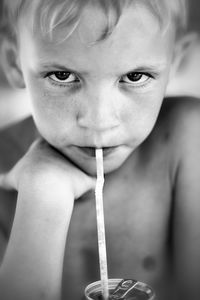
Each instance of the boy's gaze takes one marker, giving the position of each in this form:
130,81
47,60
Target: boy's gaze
96,73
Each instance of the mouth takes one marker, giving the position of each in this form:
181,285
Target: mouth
90,151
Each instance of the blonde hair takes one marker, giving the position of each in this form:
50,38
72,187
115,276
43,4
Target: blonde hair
51,14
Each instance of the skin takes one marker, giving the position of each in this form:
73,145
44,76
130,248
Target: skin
99,104
95,121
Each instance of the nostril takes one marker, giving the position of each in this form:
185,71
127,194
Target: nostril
97,123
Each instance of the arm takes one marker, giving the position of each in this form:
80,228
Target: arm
32,265
187,204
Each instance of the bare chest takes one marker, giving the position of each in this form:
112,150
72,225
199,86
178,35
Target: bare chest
137,216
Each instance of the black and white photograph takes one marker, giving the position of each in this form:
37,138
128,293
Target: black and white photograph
99,149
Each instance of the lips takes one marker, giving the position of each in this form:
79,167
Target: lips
90,151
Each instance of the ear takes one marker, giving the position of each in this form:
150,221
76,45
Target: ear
182,48
11,64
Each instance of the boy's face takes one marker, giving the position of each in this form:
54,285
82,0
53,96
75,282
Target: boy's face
105,94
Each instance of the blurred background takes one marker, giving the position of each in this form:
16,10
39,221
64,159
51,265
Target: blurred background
14,105
187,78
194,12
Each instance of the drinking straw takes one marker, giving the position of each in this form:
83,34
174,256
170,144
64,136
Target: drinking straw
101,224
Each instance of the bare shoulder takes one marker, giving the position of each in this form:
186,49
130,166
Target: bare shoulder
180,117
180,108
176,134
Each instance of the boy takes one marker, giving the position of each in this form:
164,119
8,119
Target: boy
96,73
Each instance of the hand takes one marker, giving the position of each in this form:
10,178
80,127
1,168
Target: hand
43,165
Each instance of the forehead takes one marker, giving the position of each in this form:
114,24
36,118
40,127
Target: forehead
137,35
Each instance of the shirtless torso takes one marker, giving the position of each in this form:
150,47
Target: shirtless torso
139,210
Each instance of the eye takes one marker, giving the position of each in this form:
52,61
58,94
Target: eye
135,77
62,77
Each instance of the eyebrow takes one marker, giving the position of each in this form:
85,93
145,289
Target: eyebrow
55,66
151,67
148,68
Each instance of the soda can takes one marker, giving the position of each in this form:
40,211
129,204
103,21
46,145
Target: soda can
121,289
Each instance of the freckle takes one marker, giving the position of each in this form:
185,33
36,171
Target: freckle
149,263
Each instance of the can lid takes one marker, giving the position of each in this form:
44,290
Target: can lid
123,289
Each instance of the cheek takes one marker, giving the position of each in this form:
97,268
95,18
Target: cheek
141,115
50,103
54,114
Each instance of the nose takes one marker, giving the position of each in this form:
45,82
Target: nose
99,111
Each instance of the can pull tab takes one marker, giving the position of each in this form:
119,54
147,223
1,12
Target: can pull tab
123,289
